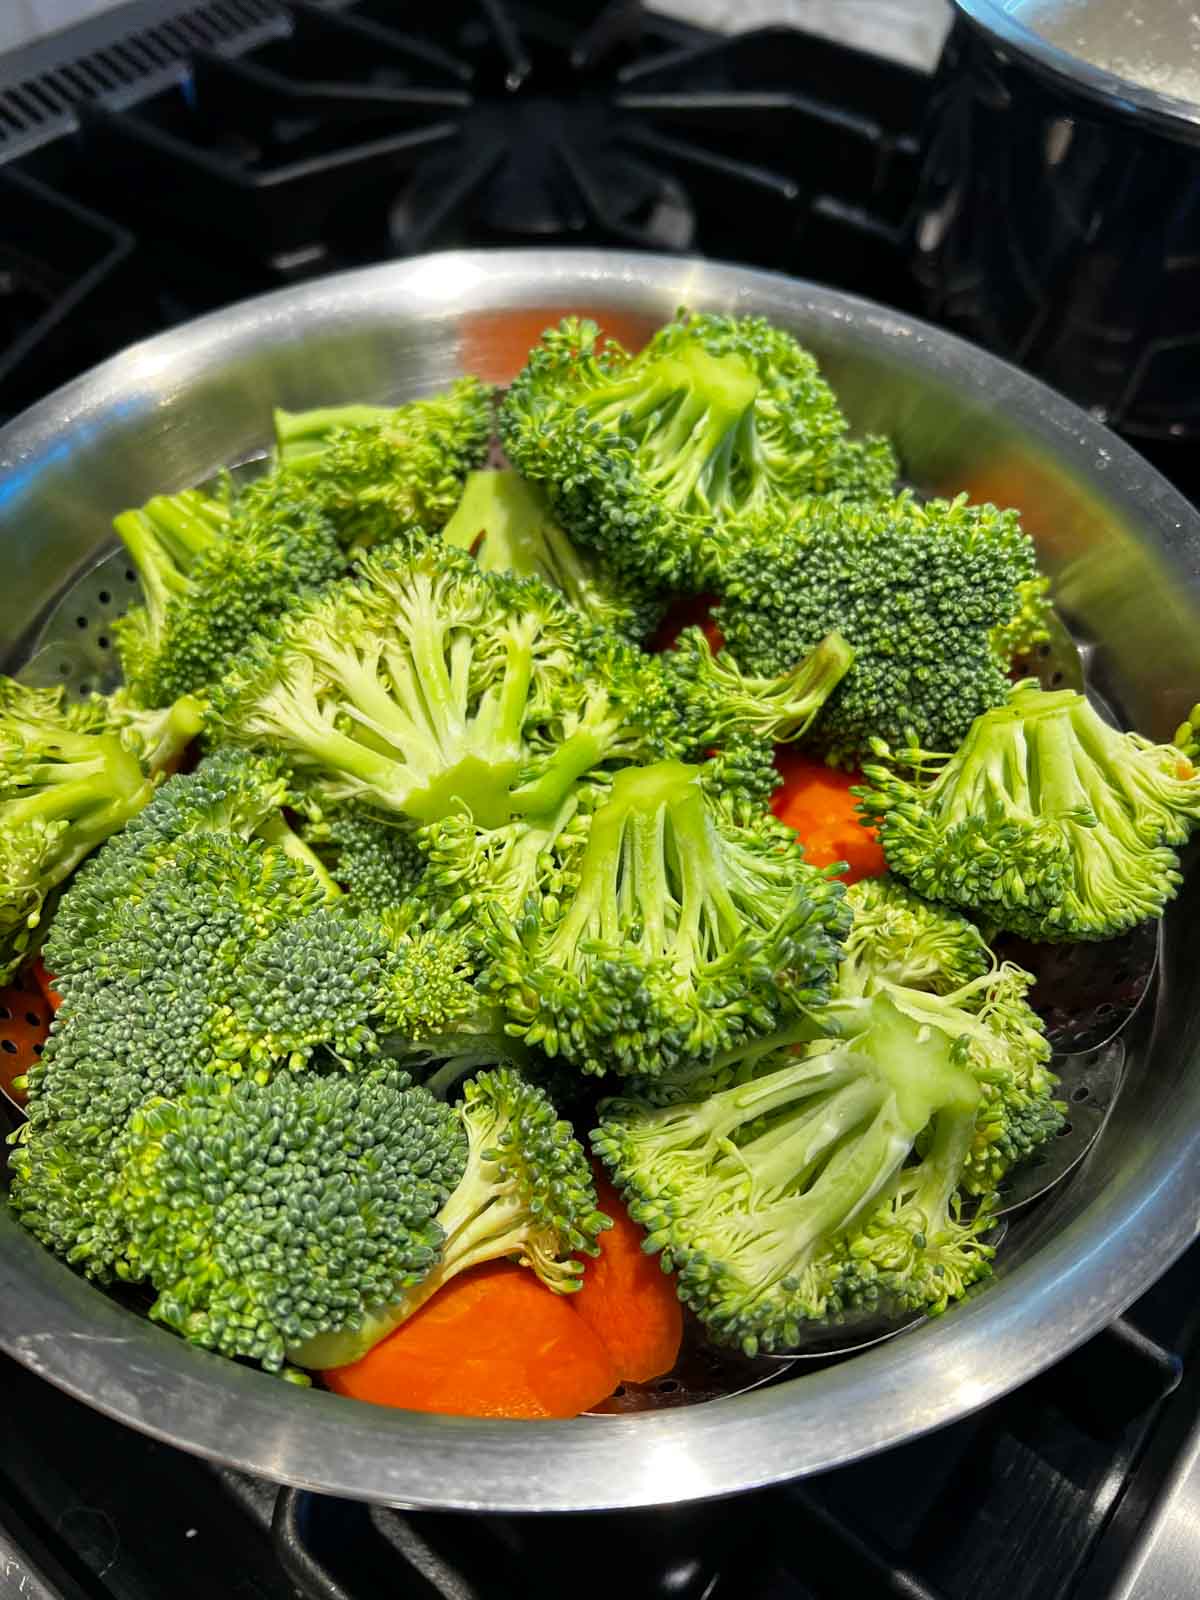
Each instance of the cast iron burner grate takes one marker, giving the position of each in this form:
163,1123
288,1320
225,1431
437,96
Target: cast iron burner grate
265,142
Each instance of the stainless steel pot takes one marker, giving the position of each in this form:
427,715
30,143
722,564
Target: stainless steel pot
1126,552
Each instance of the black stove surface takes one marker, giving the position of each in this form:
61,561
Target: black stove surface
173,157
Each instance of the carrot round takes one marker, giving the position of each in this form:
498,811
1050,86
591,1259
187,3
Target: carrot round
494,1342
628,1299
816,802
24,1025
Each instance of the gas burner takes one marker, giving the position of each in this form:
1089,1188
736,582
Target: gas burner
347,137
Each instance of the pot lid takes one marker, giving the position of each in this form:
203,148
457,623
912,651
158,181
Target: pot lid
1139,54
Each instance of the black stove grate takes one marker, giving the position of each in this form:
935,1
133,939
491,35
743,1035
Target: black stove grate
264,142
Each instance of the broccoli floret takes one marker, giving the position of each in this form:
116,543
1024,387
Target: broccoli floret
659,458
527,1194
377,861
213,573
506,523
375,470
716,699
1019,637
786,1189
149,1005
268,1215
898,936
69,778
427,686
759,1197
1047,821
686,930
427,985
863,470
916,591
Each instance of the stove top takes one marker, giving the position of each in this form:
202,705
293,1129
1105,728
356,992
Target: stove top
168,158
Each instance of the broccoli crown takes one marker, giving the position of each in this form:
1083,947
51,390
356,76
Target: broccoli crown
685,930
268,1214
898,936
1017,639
506,523
526,1194
375,470
915,590
761,1196
716,699
657,459
427,687
69,778
427,982
862,470
213,573
230,791
1047,821
377,861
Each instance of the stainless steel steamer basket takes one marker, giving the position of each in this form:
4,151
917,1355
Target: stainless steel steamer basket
1125,549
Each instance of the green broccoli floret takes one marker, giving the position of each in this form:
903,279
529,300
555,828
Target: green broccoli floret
659,459
915,590
427,985
686,930
822,1185
863,470
269,1215
898,936
69,778
213,573
1047,821
375,470
426,687
527,1194
377,861
716,699
1019,637
506,523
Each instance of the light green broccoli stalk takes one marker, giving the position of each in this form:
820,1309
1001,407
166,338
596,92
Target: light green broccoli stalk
526,1195
687,930
428,687
506,523
376,470
659,459
269,1215
917,591
1047,821
777,1201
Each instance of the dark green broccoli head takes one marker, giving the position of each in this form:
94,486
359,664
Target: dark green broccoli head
915,590
213,574
526,1194
658,459
377,861
686,930
1047,821
506,523
376,470
69,778
266,1215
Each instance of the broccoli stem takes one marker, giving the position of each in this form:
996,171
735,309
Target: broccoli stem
300,435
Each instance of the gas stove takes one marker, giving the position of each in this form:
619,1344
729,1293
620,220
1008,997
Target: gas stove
165,159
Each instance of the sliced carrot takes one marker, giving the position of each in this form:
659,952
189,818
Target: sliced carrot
493,1343
24,1026
815,801
45,983
628,1299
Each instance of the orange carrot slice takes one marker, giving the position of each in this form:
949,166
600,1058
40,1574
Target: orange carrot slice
816,802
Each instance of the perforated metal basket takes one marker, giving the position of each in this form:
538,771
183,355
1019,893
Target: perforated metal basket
1124,550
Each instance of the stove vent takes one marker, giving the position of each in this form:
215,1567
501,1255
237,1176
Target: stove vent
41,106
